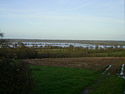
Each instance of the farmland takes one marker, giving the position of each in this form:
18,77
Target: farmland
93,63
60,80
65,70
86,75
63,80
62,47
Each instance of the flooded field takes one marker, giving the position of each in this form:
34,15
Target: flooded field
44,44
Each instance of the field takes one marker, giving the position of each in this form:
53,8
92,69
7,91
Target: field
61,80
56,52
93,63
77,75
109,85
63,70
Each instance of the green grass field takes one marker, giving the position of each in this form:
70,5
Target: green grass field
110,85
61,80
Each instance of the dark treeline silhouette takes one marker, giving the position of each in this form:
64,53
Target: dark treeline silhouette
15,77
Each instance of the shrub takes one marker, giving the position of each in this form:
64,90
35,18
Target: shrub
15,77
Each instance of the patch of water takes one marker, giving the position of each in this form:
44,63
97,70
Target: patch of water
90,46
122,70
109,66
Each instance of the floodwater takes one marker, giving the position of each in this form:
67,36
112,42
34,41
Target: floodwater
90,46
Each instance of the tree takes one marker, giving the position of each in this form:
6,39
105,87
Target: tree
15,75
3,42
1,34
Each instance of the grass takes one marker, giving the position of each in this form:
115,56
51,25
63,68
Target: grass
110,85
61,80
80,52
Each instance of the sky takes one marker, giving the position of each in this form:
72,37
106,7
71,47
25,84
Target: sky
63,19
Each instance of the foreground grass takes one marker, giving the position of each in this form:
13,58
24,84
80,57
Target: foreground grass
110,85
60,80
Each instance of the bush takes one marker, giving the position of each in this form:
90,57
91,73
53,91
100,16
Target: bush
19,53
15,77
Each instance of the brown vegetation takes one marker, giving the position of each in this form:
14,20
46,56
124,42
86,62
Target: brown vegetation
96,63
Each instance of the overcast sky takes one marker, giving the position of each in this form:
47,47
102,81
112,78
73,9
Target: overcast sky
63,19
